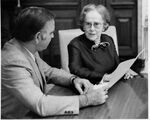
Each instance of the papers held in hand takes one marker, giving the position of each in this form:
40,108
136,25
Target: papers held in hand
118,73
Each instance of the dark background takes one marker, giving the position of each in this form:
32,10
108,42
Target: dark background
123,14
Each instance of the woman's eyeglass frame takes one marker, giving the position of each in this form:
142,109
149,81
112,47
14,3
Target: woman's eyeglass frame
96,25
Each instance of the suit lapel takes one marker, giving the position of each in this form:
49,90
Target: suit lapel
36,70
40,67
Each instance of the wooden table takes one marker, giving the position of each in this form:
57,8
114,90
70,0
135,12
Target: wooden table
127,99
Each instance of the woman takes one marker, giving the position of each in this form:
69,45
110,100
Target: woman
93,54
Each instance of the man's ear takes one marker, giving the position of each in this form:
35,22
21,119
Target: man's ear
38,37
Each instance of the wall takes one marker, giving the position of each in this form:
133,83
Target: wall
143,30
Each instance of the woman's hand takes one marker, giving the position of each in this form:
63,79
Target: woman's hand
106,78
130,74
82,85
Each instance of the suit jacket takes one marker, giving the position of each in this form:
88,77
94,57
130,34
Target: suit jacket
23,85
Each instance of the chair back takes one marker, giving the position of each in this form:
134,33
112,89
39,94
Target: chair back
65,36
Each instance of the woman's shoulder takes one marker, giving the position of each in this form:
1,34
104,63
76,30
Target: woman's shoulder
109,39
76,41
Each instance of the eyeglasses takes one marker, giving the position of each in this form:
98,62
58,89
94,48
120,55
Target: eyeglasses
96,25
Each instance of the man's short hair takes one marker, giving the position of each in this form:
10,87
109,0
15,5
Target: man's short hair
30,21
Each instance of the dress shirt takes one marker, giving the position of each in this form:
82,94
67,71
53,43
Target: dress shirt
30,54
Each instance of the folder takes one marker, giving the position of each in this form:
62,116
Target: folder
118,73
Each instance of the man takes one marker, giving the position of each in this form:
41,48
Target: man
24,73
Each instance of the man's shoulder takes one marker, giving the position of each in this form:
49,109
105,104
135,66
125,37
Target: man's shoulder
10,54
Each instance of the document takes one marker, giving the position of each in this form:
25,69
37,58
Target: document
118,73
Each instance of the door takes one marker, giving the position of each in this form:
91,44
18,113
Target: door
124,17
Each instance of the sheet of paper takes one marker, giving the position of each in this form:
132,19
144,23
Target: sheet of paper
118,73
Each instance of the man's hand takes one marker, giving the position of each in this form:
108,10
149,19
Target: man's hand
94,96
82,85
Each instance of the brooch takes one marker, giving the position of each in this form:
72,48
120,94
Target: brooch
101,45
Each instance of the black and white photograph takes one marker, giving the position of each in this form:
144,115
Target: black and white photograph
75,59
